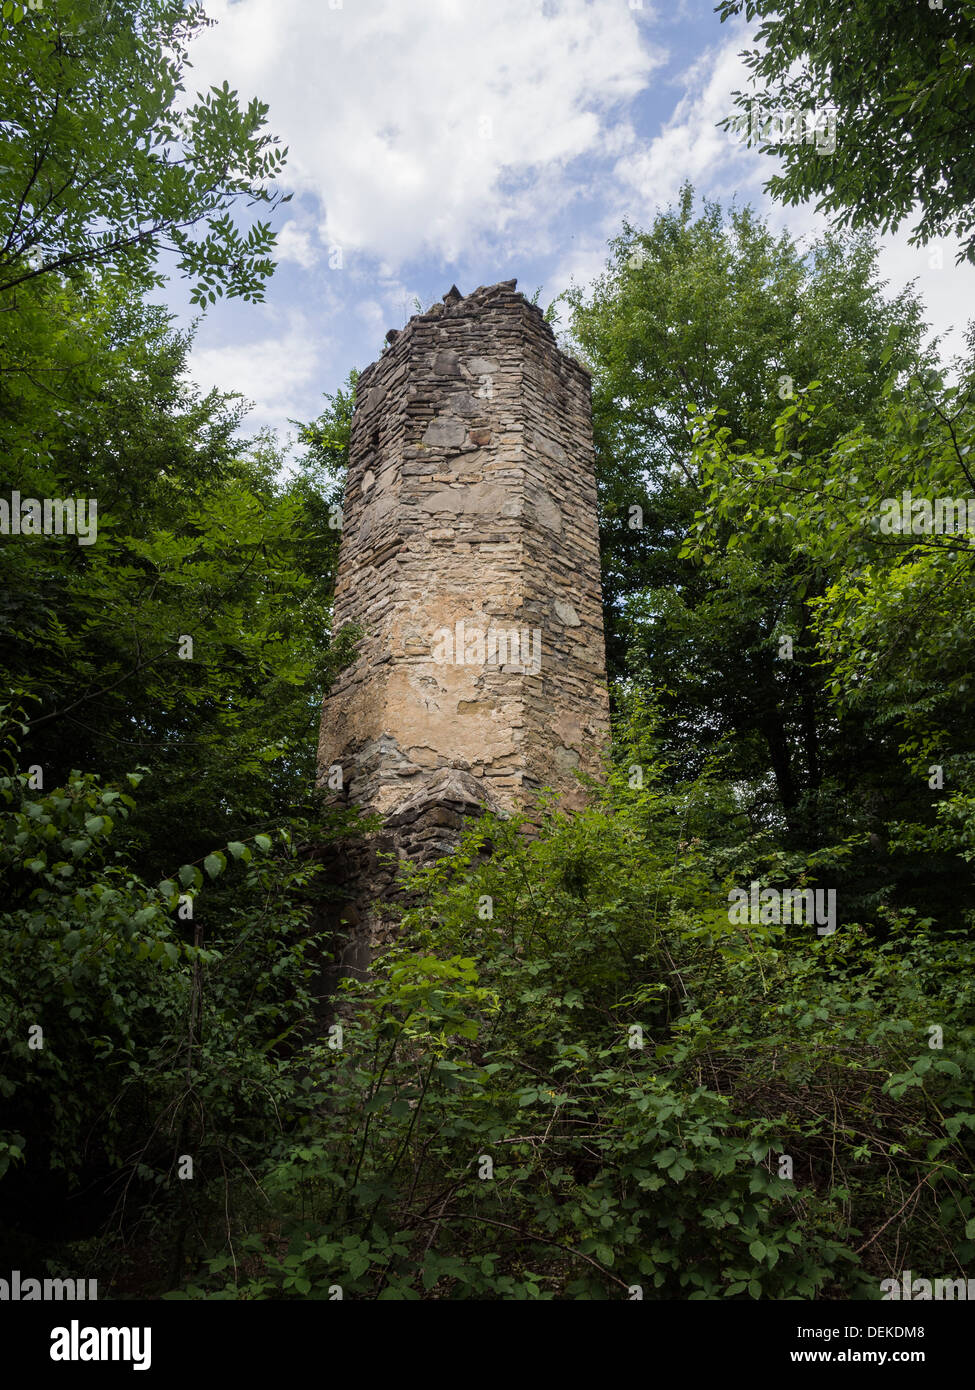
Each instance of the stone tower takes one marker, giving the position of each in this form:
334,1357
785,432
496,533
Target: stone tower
470,563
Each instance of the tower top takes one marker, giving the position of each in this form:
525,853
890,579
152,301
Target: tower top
504,294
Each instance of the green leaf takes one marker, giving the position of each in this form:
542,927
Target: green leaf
215,864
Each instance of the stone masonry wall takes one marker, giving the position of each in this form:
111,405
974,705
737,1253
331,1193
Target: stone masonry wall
470,500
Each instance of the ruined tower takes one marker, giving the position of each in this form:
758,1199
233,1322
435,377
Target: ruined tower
470,564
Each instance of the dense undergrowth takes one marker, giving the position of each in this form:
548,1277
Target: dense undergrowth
571,1078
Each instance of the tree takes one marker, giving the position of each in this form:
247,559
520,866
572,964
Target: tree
197,537
103,165
884,514
186,651
899,76
714,312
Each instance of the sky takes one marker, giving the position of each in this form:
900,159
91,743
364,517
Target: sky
440,142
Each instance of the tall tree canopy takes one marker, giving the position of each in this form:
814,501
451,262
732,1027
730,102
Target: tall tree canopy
899,78
714,312
104,162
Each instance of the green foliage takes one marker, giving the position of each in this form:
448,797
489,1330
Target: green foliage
105,164
190,640
621,1158
893,618
197,539
147,1023
714,313
898,78
101,166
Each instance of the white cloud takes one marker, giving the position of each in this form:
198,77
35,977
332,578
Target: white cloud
278,373
720,165
948,290
371,312
419,119
690,146
504,137
295,244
